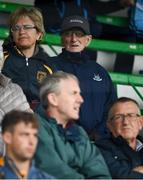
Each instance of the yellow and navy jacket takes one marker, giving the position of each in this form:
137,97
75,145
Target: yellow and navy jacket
27,72
8,170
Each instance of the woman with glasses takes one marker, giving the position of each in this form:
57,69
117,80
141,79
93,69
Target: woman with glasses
123,151
26,63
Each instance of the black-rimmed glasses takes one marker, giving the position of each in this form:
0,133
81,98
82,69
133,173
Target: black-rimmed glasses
121,117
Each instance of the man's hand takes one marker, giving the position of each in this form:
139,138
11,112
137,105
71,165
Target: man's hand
138,169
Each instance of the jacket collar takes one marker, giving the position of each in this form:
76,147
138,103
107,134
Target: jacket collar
9,46
75,57
122,142
70,133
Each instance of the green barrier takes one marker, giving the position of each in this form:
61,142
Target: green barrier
4,33
116,46
9,7
97,44
113,20
102,45
126,79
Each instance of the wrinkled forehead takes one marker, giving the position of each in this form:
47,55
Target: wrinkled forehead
124,108
69,82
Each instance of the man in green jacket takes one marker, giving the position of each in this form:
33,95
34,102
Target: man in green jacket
64,149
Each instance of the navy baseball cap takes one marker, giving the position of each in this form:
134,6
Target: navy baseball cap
75,22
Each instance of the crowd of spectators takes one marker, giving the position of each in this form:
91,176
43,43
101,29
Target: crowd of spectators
60,116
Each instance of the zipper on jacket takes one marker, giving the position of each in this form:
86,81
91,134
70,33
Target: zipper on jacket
27,62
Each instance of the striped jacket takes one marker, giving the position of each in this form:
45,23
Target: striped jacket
11,97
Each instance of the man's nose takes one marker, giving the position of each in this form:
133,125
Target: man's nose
74,36
32,140
21,30
80,99
126,119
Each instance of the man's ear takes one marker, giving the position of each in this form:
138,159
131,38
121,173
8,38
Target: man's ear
7,137
110,126
39,36
62,40
89,38
141,122
52,98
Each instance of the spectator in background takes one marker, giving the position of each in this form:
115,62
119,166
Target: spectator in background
123,152
136,19
126,3
26,63
96,85
62,143
133,32
20,131
59,10
116,32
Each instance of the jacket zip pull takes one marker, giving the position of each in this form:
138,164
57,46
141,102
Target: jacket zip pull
27,62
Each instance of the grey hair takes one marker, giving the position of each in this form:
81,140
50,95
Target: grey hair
51,85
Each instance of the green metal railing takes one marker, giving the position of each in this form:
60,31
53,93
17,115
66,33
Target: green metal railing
103,45
126,79
9,7
97,44
113,20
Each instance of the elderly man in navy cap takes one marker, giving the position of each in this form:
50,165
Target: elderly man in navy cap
96,86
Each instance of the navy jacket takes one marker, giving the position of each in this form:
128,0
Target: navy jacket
96,88
27,72
120,158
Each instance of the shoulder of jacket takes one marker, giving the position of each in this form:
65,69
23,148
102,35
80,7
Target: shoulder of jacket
6,54
4,80
3,168
2,161
48,68
13,88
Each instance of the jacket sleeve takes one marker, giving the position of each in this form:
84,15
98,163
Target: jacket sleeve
18,98
48,159
94,165
13,98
